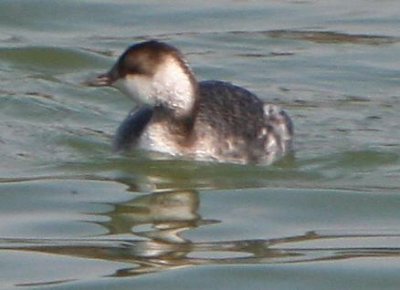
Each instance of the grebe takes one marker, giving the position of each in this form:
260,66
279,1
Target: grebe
202,120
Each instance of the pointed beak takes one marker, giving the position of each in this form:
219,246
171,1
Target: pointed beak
103,80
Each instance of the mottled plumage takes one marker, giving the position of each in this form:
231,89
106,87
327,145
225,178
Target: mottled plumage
208,120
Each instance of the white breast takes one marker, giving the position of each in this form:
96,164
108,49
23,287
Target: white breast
156,137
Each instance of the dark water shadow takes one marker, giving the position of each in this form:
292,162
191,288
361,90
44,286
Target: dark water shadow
316,36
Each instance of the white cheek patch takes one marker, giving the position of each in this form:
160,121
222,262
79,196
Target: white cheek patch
170,85
139,88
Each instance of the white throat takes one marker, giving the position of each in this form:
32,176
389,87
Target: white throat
170,85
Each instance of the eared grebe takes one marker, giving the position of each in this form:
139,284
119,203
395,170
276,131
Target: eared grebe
207,120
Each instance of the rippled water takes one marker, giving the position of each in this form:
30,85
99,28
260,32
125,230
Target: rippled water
75,216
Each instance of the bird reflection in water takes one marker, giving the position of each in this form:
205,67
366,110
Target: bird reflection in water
146,233
160,216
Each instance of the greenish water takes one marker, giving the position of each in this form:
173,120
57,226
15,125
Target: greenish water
73,215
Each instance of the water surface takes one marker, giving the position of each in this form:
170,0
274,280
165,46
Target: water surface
76,216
